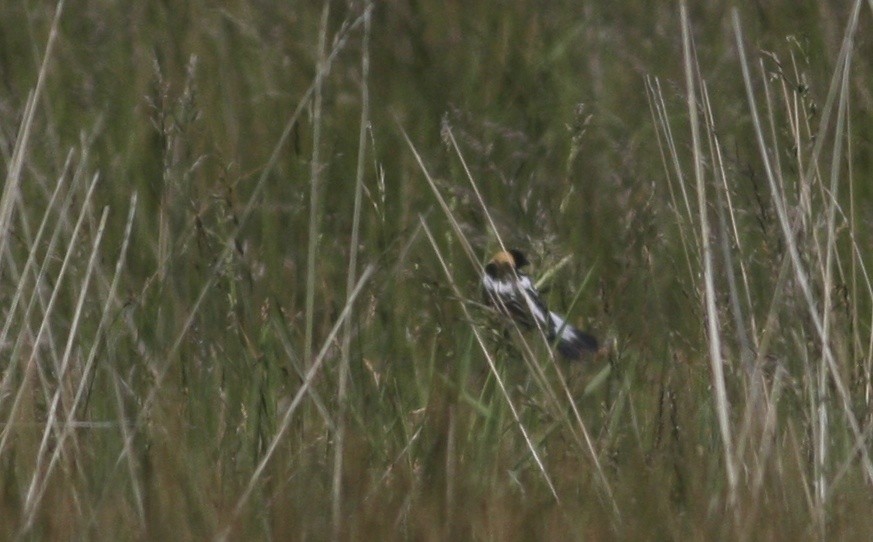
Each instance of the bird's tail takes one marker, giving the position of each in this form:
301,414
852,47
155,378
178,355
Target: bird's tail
572,343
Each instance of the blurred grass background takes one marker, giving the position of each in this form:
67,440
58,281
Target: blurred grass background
176,403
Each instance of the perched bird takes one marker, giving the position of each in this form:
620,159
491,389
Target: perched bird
512,293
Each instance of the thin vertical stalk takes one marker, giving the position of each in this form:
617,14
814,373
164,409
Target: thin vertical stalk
342,386
287,416
34,491
315,187
32,363
16,163
721,402
800,272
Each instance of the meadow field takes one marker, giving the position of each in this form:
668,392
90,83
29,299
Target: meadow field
241,245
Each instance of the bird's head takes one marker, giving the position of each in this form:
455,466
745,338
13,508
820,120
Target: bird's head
505,263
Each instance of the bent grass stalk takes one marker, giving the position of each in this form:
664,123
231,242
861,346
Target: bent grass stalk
342,385
712,320
34,491
492,366
295,402
584,440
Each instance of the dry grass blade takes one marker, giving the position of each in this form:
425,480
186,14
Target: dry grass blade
39,481
70,423
32,363
28,266
215,366
664,137
339,443
559,410
712,320
287,416
248,209
799,271
315,186
492,367
13,175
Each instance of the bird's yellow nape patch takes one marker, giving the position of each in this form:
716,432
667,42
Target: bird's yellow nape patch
503,257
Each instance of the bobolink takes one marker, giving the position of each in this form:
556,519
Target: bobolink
512,293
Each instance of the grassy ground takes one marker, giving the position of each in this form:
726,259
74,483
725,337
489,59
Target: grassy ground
241,246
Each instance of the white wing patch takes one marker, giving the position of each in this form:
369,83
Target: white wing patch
518,295
518,298
532,300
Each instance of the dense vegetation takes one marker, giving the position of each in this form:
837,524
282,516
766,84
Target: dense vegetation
241,245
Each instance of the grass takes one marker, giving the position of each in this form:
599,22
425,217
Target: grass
241,247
